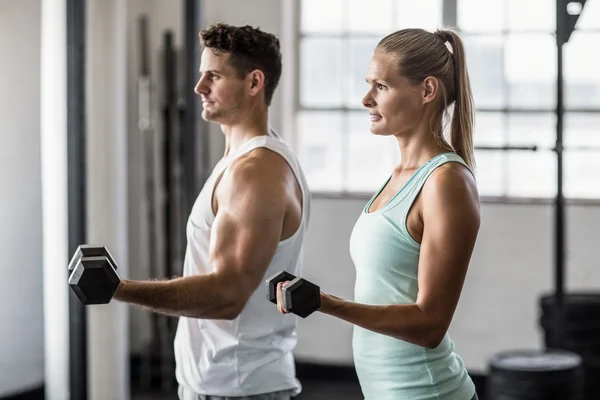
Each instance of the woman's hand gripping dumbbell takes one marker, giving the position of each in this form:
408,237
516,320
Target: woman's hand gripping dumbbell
298,296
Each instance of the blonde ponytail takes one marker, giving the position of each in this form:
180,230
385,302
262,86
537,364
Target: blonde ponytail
461,129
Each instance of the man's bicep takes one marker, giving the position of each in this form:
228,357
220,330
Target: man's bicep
244,237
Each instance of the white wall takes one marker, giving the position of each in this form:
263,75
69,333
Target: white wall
21,315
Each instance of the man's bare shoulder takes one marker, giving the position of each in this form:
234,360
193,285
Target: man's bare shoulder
260,170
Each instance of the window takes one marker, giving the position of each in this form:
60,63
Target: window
337,38
512,58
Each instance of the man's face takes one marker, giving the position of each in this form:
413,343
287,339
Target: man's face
222,91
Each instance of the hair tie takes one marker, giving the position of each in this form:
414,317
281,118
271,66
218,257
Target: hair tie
447,40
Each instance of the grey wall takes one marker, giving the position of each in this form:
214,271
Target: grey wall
21,317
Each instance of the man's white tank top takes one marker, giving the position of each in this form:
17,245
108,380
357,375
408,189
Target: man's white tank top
252,353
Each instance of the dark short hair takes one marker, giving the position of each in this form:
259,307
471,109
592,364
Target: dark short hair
249,48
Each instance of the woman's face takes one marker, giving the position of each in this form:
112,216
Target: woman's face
395,105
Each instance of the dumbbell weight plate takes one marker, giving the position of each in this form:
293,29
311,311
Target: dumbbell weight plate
94,280
301,297
273,281
90,250
93,277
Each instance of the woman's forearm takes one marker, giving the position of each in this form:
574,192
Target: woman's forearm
402,321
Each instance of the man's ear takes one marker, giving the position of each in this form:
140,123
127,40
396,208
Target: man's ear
257,81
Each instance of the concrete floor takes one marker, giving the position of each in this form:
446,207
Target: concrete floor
312,390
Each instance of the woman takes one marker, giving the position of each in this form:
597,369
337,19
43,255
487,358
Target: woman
413,241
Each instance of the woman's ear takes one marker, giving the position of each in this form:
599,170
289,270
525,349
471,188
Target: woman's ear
431,87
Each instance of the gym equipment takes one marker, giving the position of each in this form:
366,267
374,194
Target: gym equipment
300,296
580,327
554,374
580,332
93,276
535,375
176,164
171,165
164,222
147,130
273,281
565,25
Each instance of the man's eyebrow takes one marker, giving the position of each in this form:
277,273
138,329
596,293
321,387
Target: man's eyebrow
212,71
371,80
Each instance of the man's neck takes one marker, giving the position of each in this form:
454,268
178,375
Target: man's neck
250,123
237,135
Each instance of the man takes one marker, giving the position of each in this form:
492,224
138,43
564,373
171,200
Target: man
247,223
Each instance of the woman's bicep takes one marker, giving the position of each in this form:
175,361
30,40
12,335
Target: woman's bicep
451,224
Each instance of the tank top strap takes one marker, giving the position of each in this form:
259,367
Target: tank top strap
274,142
416,183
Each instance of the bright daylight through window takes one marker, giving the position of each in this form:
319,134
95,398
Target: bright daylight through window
512,59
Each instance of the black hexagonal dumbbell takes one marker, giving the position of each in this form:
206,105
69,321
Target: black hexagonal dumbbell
300,296
92,274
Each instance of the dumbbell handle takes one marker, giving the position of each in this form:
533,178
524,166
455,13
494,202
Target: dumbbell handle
287,294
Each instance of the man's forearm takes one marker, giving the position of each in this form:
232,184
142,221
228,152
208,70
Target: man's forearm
200,296
403,321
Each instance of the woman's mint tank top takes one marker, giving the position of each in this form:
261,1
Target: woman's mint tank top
386,259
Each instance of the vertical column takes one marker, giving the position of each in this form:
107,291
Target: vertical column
290,81
76,200
53,131
107,171
79,97
194,135
559,201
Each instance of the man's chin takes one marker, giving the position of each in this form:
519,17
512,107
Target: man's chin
208,117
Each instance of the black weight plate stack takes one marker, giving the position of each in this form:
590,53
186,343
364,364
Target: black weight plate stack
580,326
535,375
